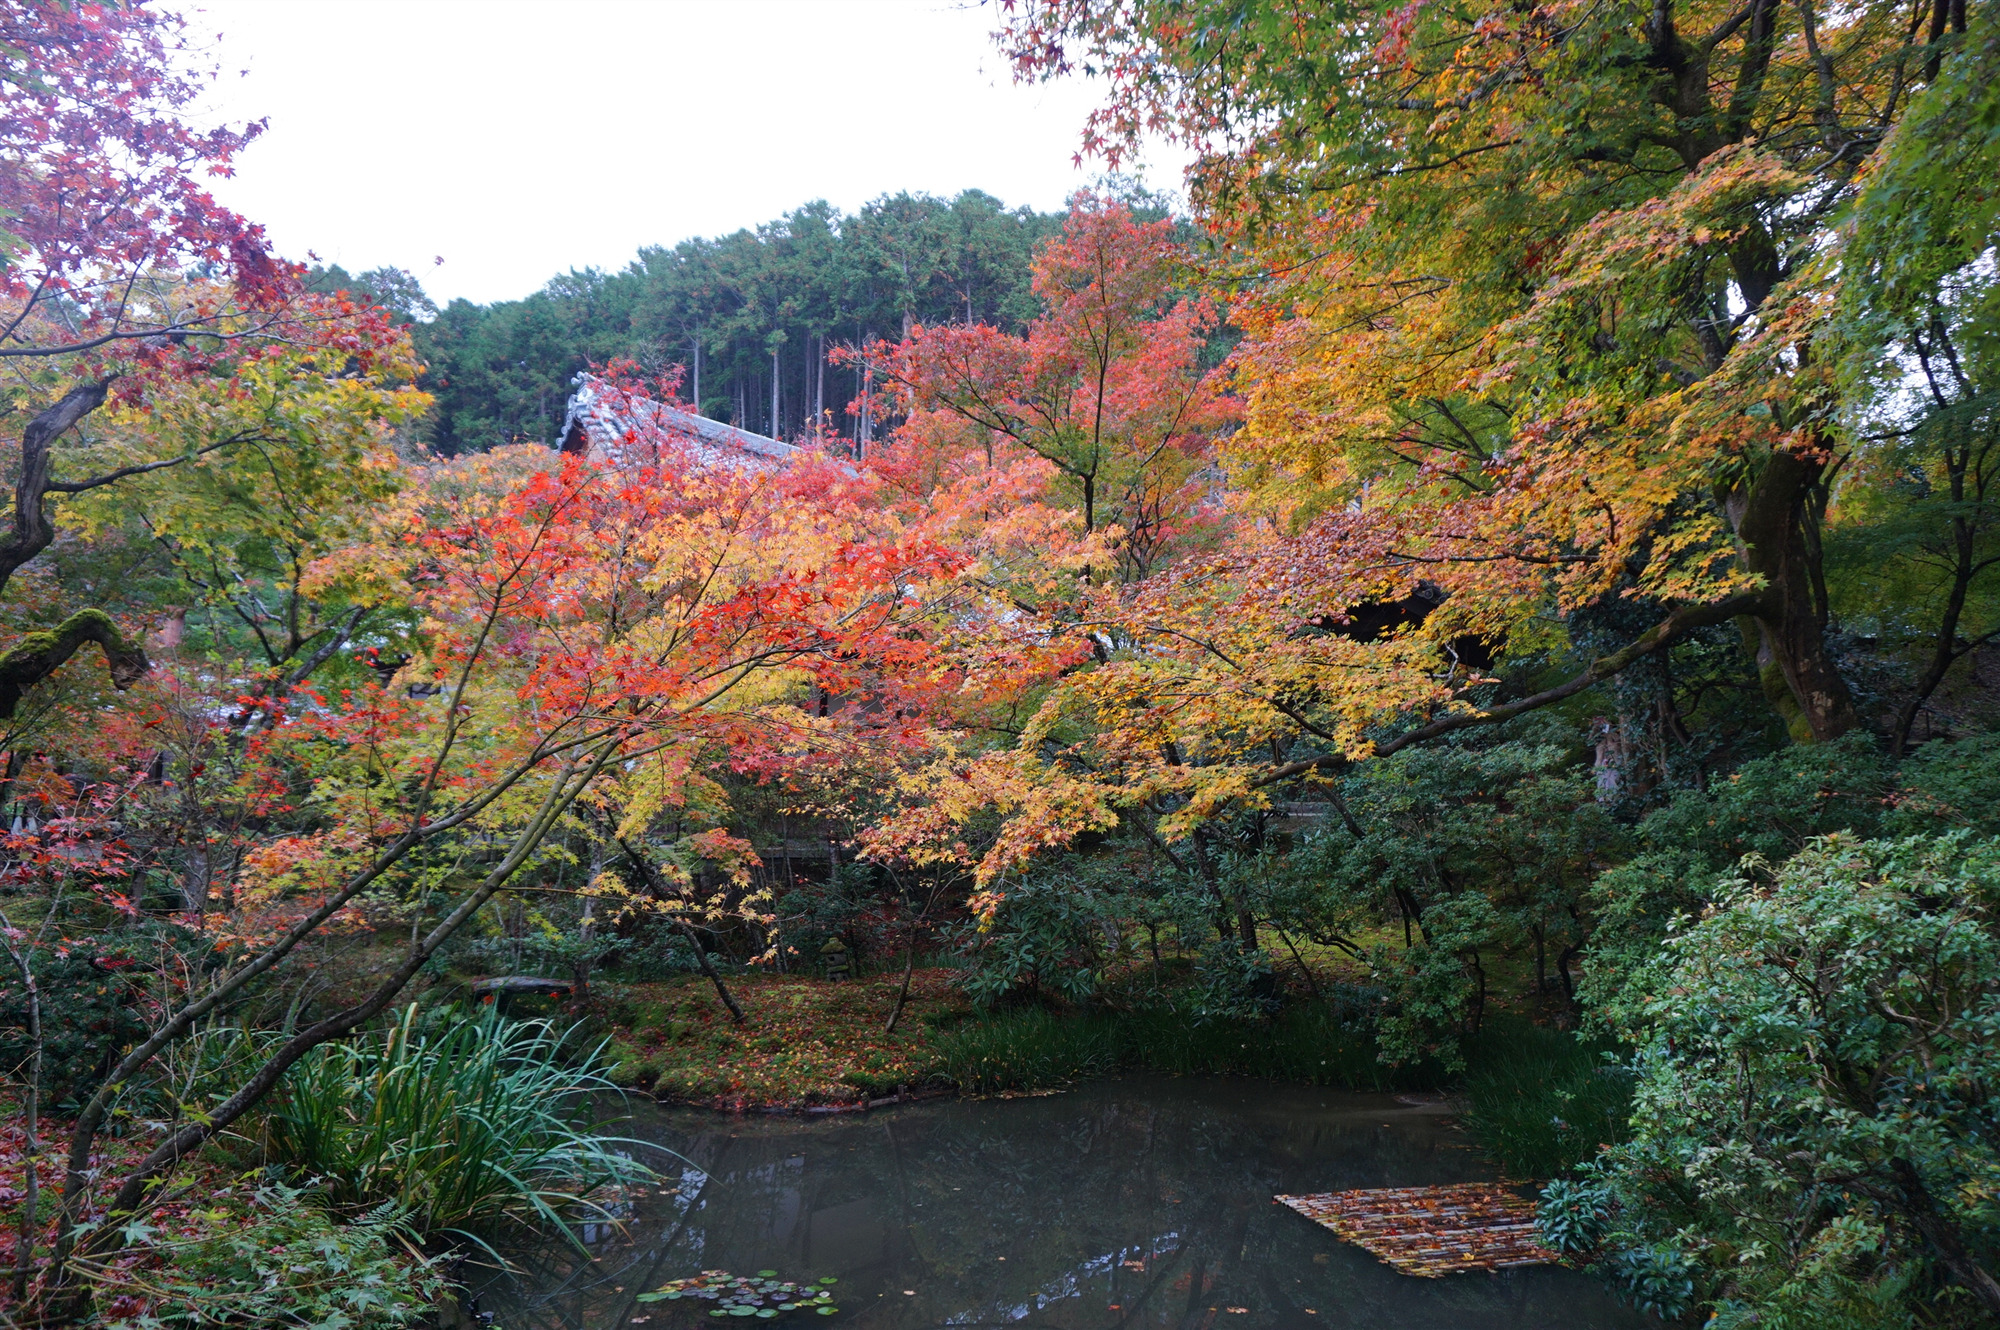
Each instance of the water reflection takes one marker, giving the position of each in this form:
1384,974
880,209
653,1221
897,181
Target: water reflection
1135,1202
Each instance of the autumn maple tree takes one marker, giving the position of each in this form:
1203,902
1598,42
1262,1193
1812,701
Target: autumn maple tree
1539,346
124,279
594,637
1111,387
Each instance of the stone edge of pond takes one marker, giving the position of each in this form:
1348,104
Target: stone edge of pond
743,1108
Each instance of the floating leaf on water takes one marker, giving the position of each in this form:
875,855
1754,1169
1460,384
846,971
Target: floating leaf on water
761,1295
828,1279
828,1311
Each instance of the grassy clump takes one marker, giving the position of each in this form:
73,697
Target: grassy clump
1541,1101
483,1124
1035,1049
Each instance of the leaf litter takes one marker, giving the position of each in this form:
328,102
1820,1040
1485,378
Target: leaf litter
1432,1231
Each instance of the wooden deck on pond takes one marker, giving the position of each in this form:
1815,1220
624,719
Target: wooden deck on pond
1432,1231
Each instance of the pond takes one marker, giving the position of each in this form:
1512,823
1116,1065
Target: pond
1130,1202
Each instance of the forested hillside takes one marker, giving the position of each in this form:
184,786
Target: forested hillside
751,316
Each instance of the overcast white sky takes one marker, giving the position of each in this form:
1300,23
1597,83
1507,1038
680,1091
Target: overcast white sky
516,140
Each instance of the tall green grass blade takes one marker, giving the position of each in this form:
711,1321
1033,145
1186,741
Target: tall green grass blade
484,1124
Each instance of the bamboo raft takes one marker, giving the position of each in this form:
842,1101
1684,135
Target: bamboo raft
1432,1231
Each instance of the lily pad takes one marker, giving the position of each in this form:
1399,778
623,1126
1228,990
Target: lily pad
762,1295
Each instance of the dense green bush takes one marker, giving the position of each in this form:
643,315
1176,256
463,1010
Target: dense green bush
89,1017
1472,851
1050,938
93,1003
1764,813
1816,1134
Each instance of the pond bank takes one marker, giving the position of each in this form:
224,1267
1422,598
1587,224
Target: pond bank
1534,1098
808,1045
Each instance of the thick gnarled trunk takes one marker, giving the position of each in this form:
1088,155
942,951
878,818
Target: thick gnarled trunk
1776,519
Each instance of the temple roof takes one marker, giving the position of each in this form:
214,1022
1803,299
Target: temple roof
604,421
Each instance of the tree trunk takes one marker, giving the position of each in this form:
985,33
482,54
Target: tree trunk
1477,1017
1944,1236
31,1140
708,969
1968,469
38,655
1776,519
1304,969
586,929
909,968
32,528
652,886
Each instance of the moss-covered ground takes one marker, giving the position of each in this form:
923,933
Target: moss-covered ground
804,1042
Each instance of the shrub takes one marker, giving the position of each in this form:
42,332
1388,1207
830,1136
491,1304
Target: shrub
1769,808
1235,985
1047,940
291,1265
1657,1279
1571,1217
89,1017
1817,1106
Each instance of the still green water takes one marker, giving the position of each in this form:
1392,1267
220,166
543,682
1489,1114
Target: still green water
1131,1202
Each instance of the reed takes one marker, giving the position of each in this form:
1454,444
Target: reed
1541,1101
1036,1049
483,1124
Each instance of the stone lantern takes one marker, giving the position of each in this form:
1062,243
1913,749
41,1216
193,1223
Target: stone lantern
834,956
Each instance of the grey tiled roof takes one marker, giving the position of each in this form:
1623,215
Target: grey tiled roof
603,420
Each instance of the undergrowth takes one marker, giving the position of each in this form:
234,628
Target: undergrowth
1036,1049
1541,1101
